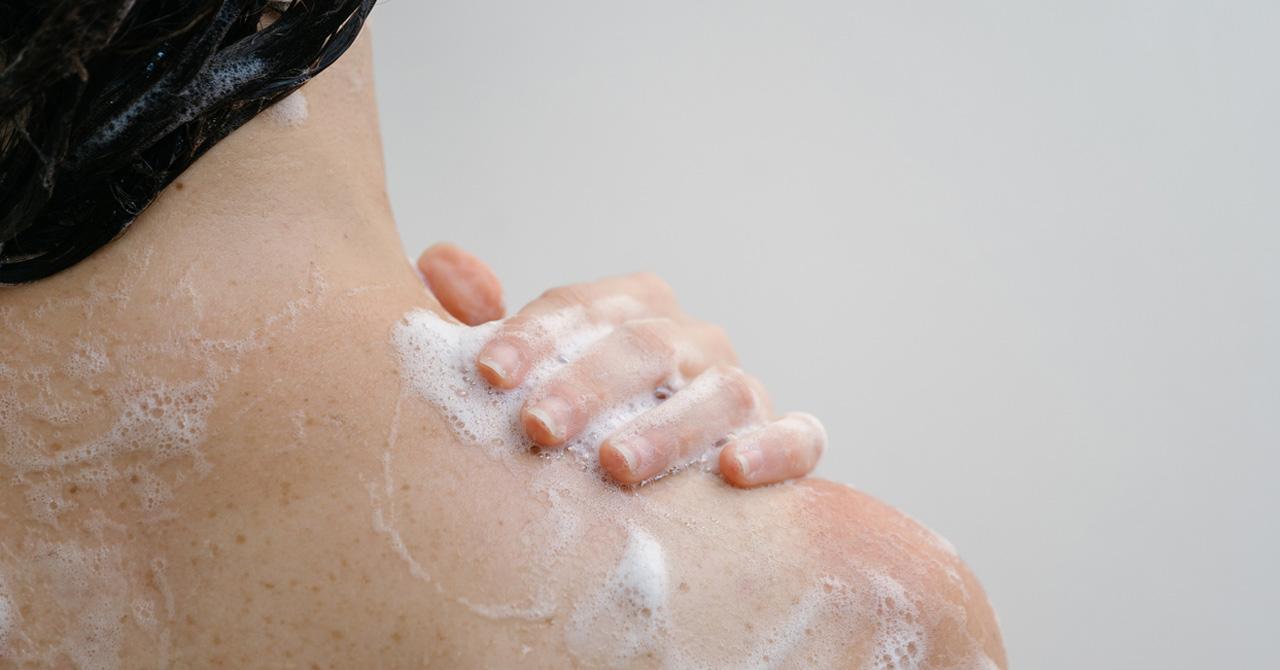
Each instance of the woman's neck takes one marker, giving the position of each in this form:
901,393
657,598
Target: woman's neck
273,256
302,183
301,186
293,201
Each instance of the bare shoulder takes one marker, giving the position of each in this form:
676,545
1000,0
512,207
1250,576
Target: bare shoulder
312,508
932,610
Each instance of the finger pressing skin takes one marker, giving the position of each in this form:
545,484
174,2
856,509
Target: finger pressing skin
465,286
530,335
721,400
784,449
635,359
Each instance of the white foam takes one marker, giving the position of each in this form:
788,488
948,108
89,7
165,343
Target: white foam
900,640
8,617
438,361
211,86
626,617
291,111
108,414
87,361
818,630
794,633
157,422
384,523
542,608
89,584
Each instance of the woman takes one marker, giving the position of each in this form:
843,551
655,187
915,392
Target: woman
241,434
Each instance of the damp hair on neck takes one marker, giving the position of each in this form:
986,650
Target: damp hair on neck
103,103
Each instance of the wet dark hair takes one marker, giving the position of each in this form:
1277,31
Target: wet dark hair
104,102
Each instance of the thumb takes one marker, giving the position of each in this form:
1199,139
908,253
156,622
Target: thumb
465,286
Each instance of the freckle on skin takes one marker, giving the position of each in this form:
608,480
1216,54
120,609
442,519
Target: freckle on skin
239,538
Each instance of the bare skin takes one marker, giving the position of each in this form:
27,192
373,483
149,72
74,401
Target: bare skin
209,456
466,287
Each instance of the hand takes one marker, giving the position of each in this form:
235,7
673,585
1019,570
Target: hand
651,347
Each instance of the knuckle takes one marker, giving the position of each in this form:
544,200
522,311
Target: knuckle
654,286
651,281
577,388
717,333
716,339
739,386
650,335
518,333
564,296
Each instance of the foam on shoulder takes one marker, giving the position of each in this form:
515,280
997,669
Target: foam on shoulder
625,618
7,617
291,111
438,362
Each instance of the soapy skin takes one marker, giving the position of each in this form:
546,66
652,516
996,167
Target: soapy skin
215,452
634,325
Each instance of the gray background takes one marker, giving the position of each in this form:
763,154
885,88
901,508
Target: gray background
1021,258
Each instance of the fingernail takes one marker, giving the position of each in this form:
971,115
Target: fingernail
501,359
750,458
638,454
552,415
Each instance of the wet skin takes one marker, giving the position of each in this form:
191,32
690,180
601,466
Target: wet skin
210,457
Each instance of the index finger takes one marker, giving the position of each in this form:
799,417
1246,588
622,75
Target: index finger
465,285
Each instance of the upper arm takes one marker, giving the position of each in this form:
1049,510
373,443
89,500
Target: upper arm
931,612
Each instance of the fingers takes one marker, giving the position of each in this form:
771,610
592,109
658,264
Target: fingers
635,359
717,402
464,285
531,335
785,449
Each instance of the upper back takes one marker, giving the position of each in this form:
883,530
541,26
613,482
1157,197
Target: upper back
227,467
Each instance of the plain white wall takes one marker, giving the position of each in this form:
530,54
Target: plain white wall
1021,258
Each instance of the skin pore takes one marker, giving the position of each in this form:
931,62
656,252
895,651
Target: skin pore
213,454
